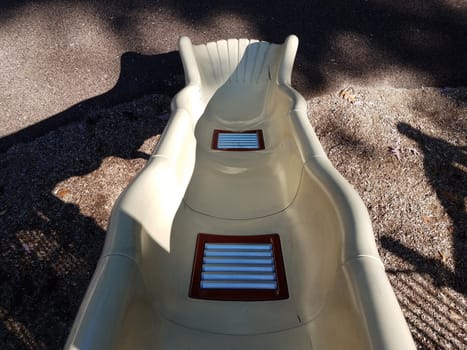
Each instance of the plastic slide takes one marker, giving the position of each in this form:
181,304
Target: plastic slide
239,233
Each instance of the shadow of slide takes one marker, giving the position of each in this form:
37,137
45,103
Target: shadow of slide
48,247
139,75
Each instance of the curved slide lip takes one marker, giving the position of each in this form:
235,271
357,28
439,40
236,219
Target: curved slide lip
288,59
192,74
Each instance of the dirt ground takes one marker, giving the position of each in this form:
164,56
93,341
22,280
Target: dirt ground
66,152
405,153
404,150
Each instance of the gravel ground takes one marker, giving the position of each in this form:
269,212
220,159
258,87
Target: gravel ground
405,153
403,150
402,146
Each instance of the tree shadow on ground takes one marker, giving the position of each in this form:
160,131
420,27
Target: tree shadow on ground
444,165
359,38
49,249
338,38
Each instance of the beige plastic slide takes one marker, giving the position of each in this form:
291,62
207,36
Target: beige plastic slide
239,233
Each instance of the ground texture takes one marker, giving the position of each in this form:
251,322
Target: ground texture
403,150
84,94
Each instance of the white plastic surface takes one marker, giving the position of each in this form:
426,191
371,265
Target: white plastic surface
339,295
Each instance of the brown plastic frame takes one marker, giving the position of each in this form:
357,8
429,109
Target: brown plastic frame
215,139
238,294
